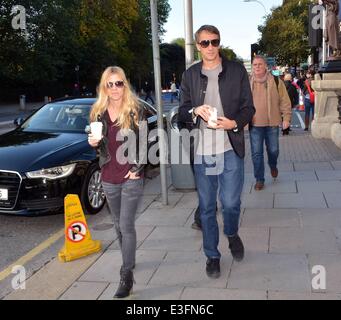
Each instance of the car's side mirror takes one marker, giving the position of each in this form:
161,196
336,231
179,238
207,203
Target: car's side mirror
18,122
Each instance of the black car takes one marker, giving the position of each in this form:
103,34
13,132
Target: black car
48,157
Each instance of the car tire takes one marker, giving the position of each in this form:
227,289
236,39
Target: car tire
92,196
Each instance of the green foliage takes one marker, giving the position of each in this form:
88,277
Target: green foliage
172,63
284,34
63,34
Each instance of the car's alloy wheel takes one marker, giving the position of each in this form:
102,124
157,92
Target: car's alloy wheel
95,191
93,197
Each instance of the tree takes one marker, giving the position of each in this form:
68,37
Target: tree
172,63
284,34
63,34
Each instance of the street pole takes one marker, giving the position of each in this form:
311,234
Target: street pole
158,96
324,38
189,33
261,3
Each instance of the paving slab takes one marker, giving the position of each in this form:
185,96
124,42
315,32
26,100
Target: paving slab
142,232
277,272
173,239
318,186
164,217
84,291
302,240
255,218
300,200
336,165
333,199
323,175
222,294
275,186
332,265
173,199
50,282
107,267
321,218
258,200
254,240
188,201
145,202
295,176
309,166
188,270
145,292
285,166
302,296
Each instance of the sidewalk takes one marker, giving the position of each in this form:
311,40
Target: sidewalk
288,228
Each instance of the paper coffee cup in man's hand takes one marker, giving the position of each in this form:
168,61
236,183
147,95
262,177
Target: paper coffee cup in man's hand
212,120
96,130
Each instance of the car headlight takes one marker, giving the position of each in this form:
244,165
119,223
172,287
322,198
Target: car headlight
52,173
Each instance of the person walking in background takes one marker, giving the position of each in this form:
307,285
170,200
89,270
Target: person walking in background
293,95
219,151
309,99
122,178
272,105
173,89
148,91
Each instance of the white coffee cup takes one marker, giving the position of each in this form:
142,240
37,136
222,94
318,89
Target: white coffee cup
212,120
96,130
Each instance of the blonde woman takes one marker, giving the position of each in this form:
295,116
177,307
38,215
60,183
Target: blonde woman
123,123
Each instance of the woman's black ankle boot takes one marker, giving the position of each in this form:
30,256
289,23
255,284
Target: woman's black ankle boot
126,284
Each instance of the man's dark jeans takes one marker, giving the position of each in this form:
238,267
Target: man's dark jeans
229,178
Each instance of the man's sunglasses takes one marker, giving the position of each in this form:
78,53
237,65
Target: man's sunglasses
117,84
206,43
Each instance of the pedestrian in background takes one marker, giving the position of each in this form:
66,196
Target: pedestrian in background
293,95
173,89
148,91
218,160
118,109
309,99
272,104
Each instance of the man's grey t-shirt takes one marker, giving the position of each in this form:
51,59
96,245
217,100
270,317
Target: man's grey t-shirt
211,141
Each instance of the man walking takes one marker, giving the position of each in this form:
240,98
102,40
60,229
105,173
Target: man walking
219,87
272,104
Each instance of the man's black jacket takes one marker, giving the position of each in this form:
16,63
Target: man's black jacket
235,94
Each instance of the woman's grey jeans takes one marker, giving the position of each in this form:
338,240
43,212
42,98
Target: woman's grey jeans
123,200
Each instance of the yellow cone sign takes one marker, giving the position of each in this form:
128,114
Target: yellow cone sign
78,242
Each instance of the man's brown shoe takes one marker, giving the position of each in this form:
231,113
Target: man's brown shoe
259,186
274,173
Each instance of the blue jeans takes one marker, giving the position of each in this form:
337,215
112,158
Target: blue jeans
230,181
308,108
259,135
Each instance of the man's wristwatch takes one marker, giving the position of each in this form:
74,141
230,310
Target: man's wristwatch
235,129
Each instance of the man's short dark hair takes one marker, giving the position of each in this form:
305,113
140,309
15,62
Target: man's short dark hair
208,28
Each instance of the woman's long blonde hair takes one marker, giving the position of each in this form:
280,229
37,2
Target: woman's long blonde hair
129,102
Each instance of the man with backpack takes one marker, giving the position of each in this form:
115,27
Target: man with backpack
273,108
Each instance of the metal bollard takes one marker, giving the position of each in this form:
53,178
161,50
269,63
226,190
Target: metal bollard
22,102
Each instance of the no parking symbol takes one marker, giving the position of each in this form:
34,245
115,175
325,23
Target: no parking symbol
76,231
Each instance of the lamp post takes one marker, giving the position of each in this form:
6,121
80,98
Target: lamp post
259,3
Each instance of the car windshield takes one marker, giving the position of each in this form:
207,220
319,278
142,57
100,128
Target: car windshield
57,117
